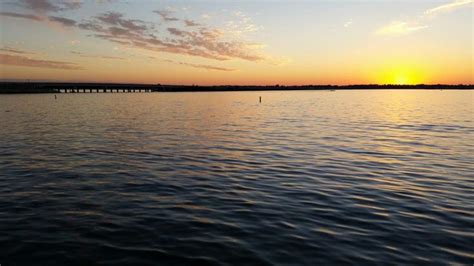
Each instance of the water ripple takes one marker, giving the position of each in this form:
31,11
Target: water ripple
305,178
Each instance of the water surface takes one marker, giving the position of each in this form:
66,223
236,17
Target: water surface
303,178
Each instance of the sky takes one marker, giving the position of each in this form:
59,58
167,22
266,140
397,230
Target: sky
238,42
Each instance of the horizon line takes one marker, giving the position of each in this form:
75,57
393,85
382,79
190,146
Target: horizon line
232,85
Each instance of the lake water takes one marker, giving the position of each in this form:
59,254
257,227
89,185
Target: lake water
303,178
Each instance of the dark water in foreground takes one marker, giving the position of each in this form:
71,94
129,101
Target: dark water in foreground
305,178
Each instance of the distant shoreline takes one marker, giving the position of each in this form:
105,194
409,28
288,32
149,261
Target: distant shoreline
56,87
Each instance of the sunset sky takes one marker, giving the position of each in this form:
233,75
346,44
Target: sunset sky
238,42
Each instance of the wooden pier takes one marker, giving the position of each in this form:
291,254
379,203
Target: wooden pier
102,90
45,87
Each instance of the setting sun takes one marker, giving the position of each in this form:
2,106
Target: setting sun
401,75
403,79
400,80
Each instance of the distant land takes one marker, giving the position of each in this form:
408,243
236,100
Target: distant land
57,87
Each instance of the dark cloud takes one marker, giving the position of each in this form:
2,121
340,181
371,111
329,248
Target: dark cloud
116,31
17,60
91,26
191,23
105,1
71,4
39,5
177,32
166,15
18,15
63,21
116,19
50,6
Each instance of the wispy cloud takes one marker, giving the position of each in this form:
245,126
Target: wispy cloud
448,7
8,49
18,60
44,6
63,21
421,22
105,1
58,20
116,19
202,66
23,16
191,23
97,56
348,24
166,15
400,27
241,24
203,41
193,38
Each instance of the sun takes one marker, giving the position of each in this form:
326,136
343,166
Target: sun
401,79
400,76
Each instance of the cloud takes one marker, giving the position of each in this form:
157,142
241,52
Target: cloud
197,40
72,4
63,21
191,23
9,49
105,1
97,56
348,24
17,60
400,27
39,5
200,41
448,7
406,27
116,19
208,67
177,32
111,57
23,16
44,6
59,20
241,24
166,15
